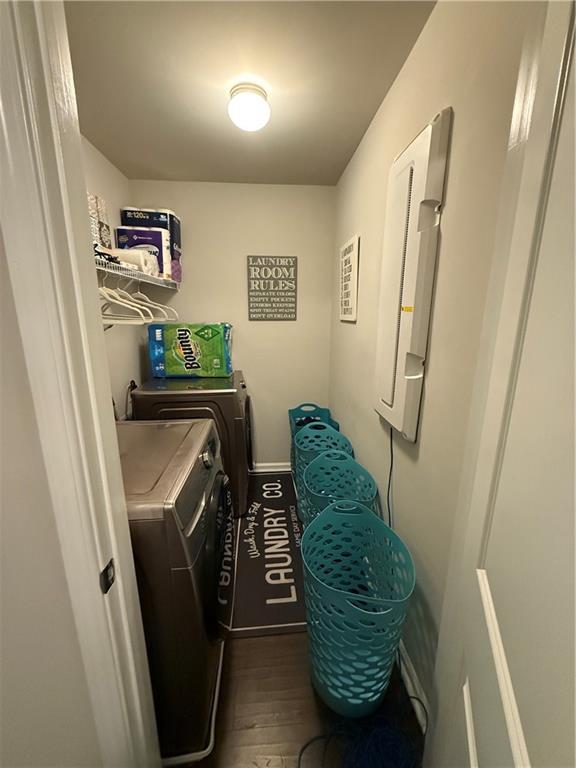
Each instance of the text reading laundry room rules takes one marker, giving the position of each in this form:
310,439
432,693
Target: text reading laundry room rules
272,287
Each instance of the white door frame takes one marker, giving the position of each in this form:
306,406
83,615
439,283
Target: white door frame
43,219
536,119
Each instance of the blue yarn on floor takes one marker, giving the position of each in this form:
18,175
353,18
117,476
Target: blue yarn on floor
382,747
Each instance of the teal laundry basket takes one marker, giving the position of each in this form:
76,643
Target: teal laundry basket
358,576
310,441
336,475
303,414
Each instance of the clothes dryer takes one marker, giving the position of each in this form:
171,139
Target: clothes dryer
225,400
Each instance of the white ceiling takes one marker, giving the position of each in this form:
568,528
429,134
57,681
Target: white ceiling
152,81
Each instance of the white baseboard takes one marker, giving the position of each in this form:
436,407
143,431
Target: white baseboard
414,687
280,466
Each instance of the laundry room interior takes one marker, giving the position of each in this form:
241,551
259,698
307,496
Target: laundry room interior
310,263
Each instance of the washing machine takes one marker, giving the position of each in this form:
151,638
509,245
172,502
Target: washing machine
181,527
225,400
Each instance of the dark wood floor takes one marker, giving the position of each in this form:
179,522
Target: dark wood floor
268,710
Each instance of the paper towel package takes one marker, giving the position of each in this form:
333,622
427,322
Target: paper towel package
189,350
131,216
155,240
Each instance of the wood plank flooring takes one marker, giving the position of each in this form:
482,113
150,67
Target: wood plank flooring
268,709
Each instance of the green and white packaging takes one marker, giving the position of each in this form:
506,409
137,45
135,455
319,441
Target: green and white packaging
189,350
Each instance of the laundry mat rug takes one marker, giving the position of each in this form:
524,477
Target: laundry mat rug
269,593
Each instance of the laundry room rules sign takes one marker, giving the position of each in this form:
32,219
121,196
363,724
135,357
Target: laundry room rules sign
272,287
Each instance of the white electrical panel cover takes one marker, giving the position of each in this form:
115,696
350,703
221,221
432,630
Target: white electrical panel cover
411,226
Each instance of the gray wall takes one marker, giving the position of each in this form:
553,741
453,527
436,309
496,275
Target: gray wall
466,57
124,343
284,362
46,716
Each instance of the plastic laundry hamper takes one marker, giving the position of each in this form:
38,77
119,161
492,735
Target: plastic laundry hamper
310,441
359,576
304,414
332,476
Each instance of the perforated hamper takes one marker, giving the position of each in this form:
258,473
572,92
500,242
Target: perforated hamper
307,413
336,475
359,577
310,442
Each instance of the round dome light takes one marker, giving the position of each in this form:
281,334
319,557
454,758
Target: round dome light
248,107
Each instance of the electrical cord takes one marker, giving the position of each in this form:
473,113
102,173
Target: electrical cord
343,730
372,743
309,743
389,491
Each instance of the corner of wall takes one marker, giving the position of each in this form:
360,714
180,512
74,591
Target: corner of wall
124,344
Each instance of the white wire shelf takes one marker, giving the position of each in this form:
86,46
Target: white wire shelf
134,274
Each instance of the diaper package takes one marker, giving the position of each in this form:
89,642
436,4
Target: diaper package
189,350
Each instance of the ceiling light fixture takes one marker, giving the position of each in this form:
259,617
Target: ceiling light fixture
248,107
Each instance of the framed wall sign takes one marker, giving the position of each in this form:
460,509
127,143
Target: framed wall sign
349,279
272,287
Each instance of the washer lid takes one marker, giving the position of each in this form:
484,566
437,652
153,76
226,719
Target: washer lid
157,457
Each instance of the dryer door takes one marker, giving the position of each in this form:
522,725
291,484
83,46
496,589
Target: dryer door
219,559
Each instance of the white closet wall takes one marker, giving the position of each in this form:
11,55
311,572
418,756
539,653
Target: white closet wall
124,344
466,58
285,362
